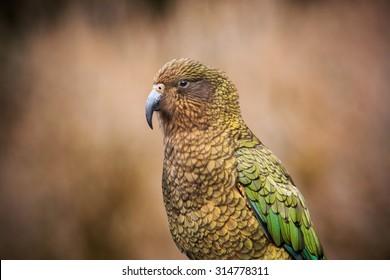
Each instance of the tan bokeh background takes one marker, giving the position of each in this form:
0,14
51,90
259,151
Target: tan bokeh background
80,170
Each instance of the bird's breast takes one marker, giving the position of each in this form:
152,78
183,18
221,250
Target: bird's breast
203,205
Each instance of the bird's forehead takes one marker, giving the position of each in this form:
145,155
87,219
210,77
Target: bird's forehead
177,69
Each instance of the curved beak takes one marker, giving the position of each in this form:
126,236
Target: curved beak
151,106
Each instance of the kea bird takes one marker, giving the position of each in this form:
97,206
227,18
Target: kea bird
227,196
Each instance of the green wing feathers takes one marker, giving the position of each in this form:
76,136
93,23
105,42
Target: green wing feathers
277,203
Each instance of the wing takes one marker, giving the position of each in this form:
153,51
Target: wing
278,205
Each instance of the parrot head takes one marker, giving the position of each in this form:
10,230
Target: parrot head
189,94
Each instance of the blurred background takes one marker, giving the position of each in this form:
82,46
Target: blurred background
80,170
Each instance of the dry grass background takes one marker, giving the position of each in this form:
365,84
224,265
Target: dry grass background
80,170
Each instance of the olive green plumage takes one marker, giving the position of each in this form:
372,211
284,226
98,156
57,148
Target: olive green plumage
226,195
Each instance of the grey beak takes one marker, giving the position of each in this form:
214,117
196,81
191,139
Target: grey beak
151,106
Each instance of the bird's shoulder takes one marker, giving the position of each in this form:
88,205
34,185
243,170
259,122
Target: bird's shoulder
279,206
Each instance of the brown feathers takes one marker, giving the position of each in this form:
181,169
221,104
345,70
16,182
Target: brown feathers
226,195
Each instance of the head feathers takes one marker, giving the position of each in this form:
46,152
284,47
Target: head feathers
195,95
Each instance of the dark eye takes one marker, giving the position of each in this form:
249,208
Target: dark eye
183,83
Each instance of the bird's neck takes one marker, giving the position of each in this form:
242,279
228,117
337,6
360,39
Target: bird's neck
188,149
197,160
234,134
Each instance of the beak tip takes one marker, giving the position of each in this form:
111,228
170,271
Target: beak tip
150,124
151,106
149,117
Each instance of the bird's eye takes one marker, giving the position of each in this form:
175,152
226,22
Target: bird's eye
183,83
